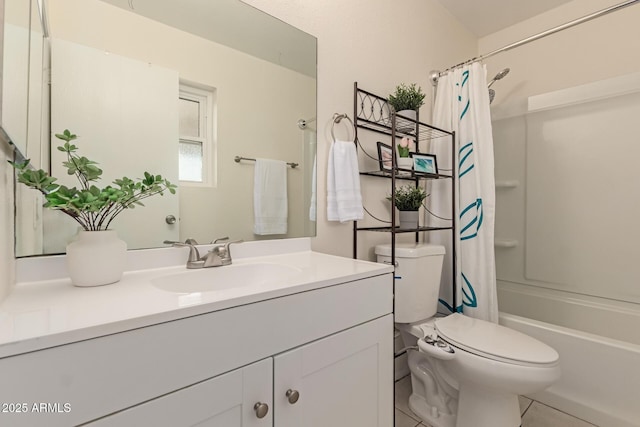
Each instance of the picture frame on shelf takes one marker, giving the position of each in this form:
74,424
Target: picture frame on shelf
424,163
385,157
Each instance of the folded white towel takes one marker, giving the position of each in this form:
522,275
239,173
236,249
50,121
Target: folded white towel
344,200
270,197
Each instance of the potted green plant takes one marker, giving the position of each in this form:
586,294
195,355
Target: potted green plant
408,200
97,256
406,101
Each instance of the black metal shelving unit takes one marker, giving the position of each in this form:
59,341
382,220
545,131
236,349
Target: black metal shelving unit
372,113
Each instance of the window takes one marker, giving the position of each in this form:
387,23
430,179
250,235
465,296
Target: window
197,141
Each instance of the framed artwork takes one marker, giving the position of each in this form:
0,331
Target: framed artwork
424,163
385,157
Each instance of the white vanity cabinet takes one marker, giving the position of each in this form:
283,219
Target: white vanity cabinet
331,345
335,381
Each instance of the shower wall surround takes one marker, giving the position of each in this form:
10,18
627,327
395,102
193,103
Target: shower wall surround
542,72
573,212
588,286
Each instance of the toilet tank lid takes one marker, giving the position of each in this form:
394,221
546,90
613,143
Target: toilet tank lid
411,250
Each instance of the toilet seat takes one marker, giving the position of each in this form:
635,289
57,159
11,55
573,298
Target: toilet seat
494,342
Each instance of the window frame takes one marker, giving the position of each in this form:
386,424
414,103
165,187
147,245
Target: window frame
205,97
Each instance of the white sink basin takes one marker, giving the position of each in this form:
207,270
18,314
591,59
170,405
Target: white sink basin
226,277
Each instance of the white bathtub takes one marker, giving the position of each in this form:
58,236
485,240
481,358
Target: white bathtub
600,380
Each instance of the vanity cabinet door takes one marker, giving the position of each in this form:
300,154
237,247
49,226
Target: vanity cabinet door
227,400
345,379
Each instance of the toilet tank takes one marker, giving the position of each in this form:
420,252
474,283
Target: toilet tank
417,284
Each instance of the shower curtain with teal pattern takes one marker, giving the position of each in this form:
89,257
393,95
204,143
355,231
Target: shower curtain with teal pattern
462,105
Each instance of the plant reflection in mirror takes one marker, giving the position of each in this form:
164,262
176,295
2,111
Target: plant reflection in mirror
92,207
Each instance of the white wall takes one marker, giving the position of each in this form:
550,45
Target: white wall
379,44
597,50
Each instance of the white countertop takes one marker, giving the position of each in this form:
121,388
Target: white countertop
47,313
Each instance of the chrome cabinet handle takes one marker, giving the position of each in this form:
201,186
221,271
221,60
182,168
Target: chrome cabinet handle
170,219
292,396
262,409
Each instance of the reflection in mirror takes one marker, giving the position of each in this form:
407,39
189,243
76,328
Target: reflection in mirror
15,70
28,221
146,87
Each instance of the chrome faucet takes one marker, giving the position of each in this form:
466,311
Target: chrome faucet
194,260
218,256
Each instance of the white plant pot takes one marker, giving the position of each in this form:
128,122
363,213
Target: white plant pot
409,220
405,163
403,125
96,258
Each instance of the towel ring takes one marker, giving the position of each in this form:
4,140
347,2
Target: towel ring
337,118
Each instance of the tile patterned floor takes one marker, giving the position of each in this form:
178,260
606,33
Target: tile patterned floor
534,414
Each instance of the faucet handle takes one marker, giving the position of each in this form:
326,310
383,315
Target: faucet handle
227,244
187,242
194,255
224,252
228,249
220,238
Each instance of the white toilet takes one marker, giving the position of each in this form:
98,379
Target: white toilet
467,372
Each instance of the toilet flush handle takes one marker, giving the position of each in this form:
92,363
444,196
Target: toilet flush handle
437,348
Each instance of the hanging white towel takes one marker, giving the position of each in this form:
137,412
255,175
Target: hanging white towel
344,200
270,204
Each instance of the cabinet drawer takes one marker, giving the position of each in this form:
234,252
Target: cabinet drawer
103,375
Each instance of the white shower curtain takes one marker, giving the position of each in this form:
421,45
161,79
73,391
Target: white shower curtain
462,105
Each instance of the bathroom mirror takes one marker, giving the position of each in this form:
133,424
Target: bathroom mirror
179,89
15,71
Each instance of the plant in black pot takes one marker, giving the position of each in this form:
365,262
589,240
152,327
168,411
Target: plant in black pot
406,101
408,200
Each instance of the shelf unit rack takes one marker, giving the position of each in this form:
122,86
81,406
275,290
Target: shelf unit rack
372,113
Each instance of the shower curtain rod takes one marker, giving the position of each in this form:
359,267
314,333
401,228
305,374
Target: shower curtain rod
435,75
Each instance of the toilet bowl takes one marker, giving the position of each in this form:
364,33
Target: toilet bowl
469,373
465,372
